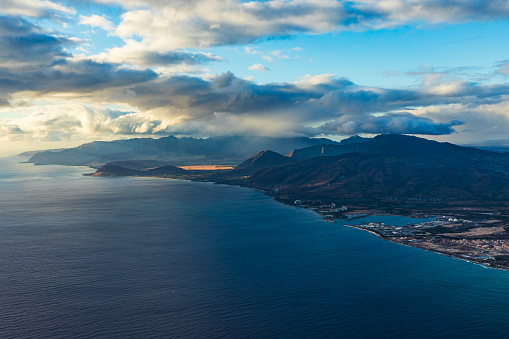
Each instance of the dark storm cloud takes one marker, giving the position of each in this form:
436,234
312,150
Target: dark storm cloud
341,106
76,76
24,45
33,60
227,93
386,124
224,93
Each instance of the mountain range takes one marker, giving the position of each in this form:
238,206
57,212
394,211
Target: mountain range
391,166
385,166
177,151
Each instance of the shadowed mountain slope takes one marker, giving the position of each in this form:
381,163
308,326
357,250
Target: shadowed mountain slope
395,165
115,170
349,145
262,160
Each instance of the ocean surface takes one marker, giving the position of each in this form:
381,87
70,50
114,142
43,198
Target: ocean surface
89,257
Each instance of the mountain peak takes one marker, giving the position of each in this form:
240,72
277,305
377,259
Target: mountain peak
354,139
263,159
392,165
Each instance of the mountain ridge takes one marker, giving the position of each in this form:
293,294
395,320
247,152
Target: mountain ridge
178,151
394,165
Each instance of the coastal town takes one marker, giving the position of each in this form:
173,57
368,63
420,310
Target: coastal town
481,242
483,238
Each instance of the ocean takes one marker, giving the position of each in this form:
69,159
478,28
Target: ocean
92,257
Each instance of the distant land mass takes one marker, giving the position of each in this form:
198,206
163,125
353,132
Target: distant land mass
32,153
493,145
464,191
359,168
177,151
115,170
138,165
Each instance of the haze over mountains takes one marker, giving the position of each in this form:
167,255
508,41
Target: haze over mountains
177,151
493,145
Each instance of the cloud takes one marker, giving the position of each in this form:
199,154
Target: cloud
278,54
36,61
81,76
185,102
271,54
200,24
94,20
225,104
35,64
258,67
168,25
385,124
9,129
67,122
488,119
136,53
503,68
396,12
25,46
249,50
34,8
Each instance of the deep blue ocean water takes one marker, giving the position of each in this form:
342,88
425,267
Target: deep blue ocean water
140,258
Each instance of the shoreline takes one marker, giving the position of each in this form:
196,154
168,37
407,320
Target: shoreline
424,249
330,220
327,218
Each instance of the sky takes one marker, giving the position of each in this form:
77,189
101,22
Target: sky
74,71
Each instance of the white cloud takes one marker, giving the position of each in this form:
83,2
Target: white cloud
94,20
249,50
226,105
278,54
198,24
137,53
167,25
34,8
310,82
258,67
57,122
166,34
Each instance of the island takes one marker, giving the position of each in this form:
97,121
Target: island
459,194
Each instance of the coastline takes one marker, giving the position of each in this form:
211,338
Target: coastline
328,218
372,212
427,250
